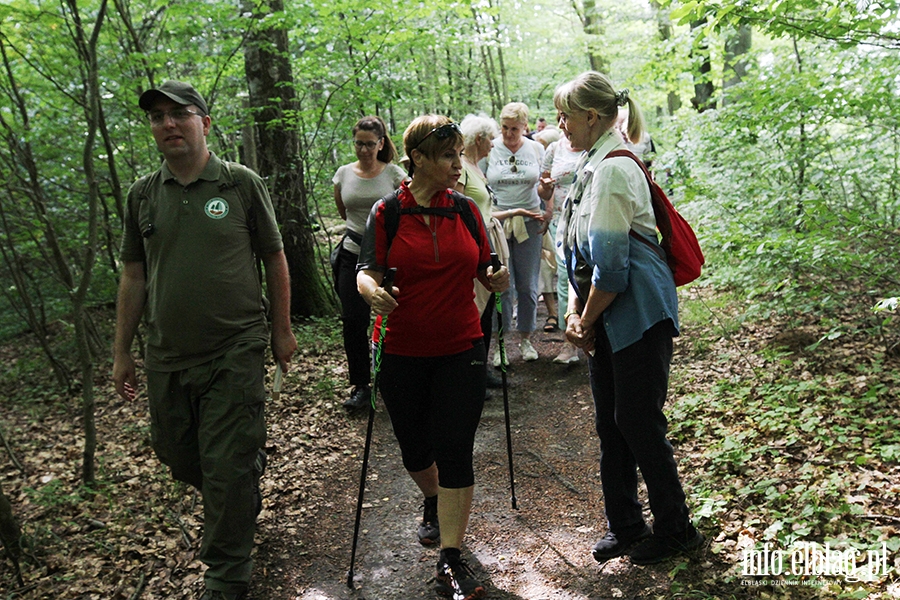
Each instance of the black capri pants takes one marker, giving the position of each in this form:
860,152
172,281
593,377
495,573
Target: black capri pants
435,406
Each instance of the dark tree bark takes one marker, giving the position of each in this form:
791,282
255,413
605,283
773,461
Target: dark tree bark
737,45
87,52
271,85
487,61
593,26
664,27
703,85
10,535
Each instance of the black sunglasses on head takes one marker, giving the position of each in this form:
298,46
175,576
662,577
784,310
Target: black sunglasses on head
442,133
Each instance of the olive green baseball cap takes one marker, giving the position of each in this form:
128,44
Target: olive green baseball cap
177,91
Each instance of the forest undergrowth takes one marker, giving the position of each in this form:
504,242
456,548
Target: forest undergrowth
788,443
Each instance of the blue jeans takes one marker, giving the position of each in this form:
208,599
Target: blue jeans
629,388
525,275
562,278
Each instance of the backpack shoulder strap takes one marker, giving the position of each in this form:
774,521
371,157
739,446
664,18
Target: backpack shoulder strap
464,206
236,182
461,205
660,212
391,216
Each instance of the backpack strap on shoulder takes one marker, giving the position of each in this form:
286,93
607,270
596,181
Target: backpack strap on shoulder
663,222
461,206
391,216
231,181
464,206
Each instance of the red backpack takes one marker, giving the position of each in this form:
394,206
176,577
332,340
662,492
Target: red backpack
682,251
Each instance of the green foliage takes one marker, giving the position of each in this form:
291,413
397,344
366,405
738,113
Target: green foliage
795,180
847,23
779,445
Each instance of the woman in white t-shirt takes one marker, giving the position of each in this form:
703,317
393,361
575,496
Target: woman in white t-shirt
556,179
357,186
513,168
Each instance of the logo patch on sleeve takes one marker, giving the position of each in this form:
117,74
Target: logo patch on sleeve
216,208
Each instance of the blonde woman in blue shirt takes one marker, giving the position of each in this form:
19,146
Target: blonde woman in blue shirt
623,311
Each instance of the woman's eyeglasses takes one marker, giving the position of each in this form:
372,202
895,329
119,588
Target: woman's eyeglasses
367,145
513,164
441,133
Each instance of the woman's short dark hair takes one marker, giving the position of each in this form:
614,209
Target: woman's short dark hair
376,125
418,137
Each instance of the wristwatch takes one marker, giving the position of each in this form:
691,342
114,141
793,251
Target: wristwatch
568,314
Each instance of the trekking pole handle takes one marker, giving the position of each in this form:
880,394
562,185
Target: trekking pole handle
495,262
388,281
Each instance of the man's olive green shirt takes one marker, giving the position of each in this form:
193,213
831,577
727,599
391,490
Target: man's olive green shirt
197,243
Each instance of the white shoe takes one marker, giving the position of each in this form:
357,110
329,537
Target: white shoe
497,359
568,355
528,351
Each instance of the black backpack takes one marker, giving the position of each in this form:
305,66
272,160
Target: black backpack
461,206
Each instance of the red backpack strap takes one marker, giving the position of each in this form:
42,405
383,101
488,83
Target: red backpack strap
663,222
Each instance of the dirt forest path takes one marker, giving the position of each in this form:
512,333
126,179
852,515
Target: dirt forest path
540,551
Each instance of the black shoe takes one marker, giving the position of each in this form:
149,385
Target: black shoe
455,578
217,595
660,547
429,531
361,397
259,467
494,382
613,545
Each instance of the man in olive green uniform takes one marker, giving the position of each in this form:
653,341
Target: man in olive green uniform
192,231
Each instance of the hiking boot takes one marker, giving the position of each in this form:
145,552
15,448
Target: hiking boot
528,352
660,547
455,578
429,531
613,545
361,397
568,355
259,467
217,595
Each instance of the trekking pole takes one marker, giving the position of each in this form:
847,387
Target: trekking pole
388,284
501,345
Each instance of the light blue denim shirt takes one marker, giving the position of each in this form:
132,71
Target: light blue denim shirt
609,198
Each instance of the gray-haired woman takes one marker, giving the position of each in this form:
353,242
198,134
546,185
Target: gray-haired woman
623,311
478,133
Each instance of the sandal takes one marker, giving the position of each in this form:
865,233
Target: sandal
551,324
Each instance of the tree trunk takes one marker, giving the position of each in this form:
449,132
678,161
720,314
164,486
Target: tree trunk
737,45
703,85
10,535
495,18
664,27
487,61
593,27
271,85
801,153
87,51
